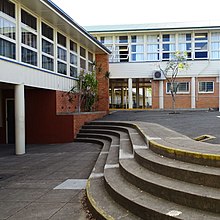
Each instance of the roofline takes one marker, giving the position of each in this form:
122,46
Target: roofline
68,18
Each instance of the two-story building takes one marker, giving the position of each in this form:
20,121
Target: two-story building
42,51
137,52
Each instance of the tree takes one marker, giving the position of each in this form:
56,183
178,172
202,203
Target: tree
174,66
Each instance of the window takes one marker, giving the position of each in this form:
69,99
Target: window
106,40
61,39
179,87
47,63
82,58
47,31
201,45
82,52
29,56
28,38
7,49
153,47
90,62
73,46
61,54
7,7
47,47
215,45
206,87
73,59
28,19
137,48
7,28
61,68
73,71
168,46
123,39
185,44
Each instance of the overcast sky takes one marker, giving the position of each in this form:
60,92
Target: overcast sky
101,12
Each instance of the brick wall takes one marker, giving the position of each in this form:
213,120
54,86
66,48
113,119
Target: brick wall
155,94
103,83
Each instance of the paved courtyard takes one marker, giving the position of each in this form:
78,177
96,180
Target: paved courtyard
48,181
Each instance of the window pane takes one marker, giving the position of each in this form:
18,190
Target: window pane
61,53
90,56
28,19
7,49
73,59
73,71
90,67
61,39
82,63
201,46
7,7
82,52
61,68
201,55
47,63
47,31
29,56
123,39
209,87
201,36
29,38
206,86
73,46
47,47
166,37
7,28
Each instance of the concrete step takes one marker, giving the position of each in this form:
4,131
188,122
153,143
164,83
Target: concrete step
193,173
183,193
146,205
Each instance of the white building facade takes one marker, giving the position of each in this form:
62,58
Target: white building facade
42,51
138,50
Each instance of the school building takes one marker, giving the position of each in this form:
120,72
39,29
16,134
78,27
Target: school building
137,52
42,51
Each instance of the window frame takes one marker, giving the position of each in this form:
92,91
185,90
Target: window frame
178,92
202,92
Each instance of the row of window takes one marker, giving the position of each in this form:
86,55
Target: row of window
183,87
154,47
66,50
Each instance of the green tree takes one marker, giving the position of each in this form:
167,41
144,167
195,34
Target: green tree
173,67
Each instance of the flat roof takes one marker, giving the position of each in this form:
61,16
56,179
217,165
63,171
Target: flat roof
54,15
153,26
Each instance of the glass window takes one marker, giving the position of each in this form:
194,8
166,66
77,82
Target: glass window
61,39
82,52
123,39
47,31
7,28
73,59
82,63
179,87
47,47
166,37
29,56
73,71
201,36
215,45
61,53
29,38
7,7
7,49
28,19
61,68
73,46
206,87
47,63
102,40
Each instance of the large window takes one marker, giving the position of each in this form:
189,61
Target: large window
7,28
153,47
179,87
28,38
90,62
168,46
7,49
206,87
185,44
201,45
215,45
137,48
61,54
73,59
82,58
7,7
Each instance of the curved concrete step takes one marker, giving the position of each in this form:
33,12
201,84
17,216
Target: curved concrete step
146,205
187,194
193,173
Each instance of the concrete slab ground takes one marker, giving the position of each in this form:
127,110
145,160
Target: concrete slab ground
190,123
27,183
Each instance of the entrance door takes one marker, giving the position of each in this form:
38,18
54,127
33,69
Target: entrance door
10,121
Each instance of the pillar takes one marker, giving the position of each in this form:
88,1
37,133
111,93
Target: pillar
144,98
130,98
193,92
19,120
122,97
161,98
1,113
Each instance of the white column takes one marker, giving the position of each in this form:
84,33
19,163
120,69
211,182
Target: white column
130,98
219,92
19,120
193,92
161,98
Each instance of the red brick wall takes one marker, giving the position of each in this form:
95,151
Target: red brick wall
102,61
155,94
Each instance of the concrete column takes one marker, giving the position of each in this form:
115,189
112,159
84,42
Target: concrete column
19,120
1,113
161,96
193,92
130,98
219,92
112,95
137,94
122,97
144,97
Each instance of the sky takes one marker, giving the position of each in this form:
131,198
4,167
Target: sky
102,12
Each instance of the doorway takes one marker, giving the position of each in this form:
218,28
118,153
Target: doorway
10,121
